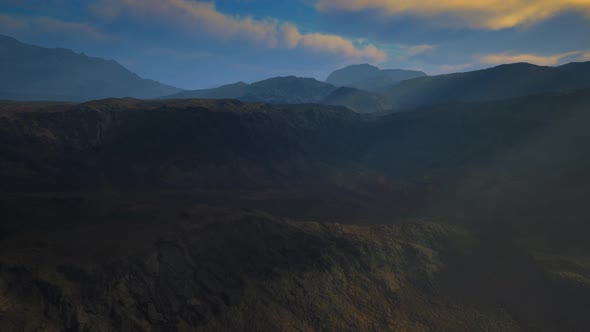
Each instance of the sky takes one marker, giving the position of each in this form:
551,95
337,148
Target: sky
200,44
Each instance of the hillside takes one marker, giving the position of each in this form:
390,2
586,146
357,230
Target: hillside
505,81
476,152
36,73
217,270
223,215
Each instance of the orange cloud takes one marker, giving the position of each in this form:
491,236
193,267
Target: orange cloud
204,17
542,60
329,43
483,14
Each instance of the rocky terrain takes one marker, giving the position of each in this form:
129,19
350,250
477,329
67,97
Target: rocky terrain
216,215
173,267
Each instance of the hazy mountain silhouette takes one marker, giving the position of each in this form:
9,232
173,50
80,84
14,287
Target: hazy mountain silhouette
292,90
277,90
36,73
499,82
370,78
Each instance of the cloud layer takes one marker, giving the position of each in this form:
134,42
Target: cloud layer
482,14
204,17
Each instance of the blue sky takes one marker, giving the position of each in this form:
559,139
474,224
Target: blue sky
199,44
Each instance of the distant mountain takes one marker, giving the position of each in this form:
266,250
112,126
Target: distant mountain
358,100
277,90
288,90
293,90
36,73
370,78
500,82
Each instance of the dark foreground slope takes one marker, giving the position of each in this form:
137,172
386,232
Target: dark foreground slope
158,215
147,268
505,81
35,73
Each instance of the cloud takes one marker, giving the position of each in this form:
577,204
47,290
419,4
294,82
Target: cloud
44,24
418,49
585,57
480,14
201,17
542,60
329,43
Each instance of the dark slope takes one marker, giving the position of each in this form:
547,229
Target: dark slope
500,82
180,135
370,78
186,143
213,270
463,152
358,100
512,173
36,73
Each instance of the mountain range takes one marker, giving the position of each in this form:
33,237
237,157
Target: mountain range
278,90
409,90
293,90
54,74
36,73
